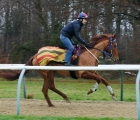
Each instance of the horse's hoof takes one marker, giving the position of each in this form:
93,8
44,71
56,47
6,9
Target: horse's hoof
114,98
51,105
68,101
89,92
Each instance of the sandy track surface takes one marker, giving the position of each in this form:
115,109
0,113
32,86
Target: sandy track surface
75,108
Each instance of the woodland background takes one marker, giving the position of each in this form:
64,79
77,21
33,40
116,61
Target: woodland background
27,25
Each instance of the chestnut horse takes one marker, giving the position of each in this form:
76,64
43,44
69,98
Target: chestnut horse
89,57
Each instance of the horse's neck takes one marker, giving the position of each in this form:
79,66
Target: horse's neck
102,45
90,57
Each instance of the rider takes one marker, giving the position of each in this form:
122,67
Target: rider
72,29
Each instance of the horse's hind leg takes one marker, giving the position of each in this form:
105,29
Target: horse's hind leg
46,87
98,78
53,88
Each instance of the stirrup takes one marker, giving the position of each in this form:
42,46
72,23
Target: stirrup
68,64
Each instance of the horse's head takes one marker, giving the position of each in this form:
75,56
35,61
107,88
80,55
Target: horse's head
109,45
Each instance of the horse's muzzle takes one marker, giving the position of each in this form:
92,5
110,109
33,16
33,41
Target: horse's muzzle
114,59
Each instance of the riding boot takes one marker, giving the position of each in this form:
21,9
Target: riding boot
68,64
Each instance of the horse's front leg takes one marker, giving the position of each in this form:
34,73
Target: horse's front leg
109,88
90,75
98,78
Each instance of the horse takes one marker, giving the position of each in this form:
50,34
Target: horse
103,43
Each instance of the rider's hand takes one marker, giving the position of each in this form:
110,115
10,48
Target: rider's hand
88,45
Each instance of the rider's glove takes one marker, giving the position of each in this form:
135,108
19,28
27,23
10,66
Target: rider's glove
87,45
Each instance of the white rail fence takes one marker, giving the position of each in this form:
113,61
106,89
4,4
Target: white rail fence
116,67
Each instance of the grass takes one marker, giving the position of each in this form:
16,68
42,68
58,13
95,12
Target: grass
74,89
13,117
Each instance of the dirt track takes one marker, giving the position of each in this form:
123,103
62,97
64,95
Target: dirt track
76,108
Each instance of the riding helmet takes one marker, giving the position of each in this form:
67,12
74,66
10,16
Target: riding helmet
82,15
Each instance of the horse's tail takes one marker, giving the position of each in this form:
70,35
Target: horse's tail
13,75
10,75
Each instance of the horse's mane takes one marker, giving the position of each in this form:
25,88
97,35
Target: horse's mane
98,38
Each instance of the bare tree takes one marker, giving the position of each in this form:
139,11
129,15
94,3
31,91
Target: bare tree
27,25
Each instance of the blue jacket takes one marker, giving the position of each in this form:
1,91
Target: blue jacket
72,29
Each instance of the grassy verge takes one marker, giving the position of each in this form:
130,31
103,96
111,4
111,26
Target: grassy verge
15,117
74,89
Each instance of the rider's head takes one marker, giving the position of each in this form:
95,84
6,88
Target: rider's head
82,17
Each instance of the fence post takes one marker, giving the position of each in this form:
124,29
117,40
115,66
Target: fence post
121,84
24,86
18,90
138,94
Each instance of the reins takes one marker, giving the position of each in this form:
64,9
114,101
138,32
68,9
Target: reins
92,54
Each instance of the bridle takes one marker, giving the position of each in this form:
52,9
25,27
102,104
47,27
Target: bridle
108,47
104,51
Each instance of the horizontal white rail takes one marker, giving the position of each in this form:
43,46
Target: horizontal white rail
1,65
99,67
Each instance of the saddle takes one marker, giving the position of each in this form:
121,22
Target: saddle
75,54
75,58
